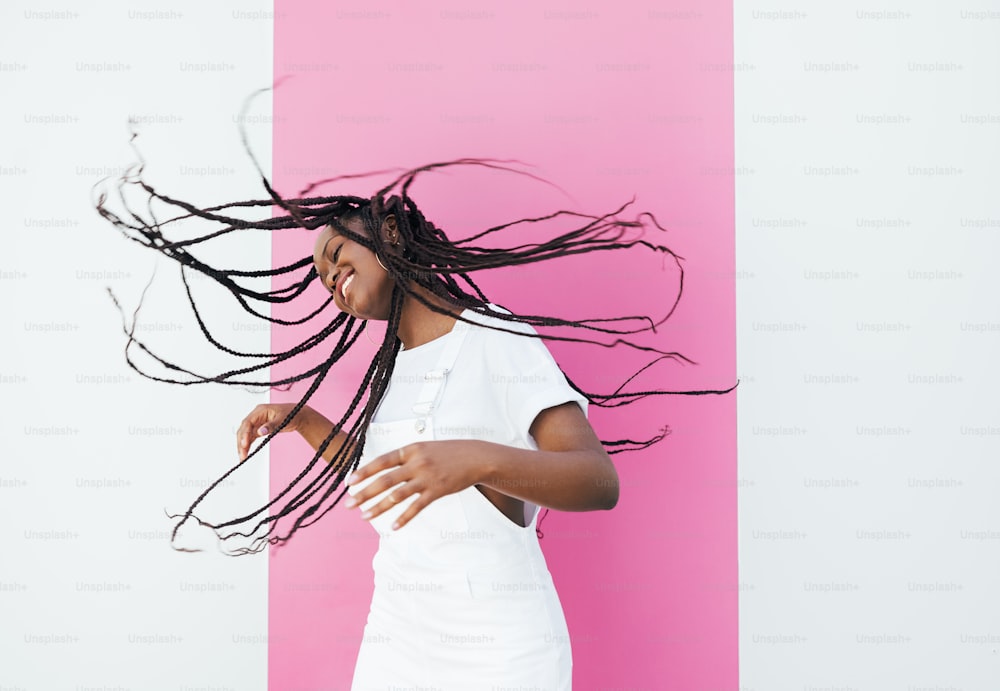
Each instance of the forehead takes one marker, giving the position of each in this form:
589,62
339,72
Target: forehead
325,235
329,233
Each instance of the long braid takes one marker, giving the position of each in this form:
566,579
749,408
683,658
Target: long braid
430,260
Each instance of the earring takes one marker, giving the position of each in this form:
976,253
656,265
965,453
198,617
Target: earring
380,263
369,336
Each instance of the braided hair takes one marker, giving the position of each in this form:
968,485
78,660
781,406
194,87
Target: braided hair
430,259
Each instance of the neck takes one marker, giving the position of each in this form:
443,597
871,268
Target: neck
418,324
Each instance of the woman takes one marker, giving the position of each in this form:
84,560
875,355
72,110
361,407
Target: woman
461,429
459,503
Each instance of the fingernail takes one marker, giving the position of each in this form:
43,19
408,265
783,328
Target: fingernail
351,502
366,515
352,479
262,431
395,526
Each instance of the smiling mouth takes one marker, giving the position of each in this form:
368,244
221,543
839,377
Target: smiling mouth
345,284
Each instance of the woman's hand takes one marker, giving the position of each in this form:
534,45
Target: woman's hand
262,420
429,469
570,471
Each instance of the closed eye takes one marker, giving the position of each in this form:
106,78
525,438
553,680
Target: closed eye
336,255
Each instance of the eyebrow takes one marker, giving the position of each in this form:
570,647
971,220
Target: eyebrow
326,244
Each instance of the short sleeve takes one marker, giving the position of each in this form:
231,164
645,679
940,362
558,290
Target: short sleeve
526,378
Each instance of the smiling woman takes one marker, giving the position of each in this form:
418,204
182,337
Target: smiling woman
376,285
461,429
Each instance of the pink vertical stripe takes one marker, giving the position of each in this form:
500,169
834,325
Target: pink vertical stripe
608,100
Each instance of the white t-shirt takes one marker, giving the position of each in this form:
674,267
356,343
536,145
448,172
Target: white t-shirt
499,384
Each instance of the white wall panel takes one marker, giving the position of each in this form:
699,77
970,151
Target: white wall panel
868,225
91,595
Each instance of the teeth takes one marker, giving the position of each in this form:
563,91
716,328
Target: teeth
347,283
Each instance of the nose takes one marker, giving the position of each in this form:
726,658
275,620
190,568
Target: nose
326,278
331,279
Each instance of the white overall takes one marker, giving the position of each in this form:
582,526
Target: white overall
463,598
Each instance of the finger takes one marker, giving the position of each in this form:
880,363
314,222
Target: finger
397,496
377,487
241,435
256,417
244,436
412,510
378,464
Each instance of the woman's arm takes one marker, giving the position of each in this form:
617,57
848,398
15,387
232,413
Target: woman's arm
570,471
313,427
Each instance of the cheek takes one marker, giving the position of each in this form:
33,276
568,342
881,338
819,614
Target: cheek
375,282
383,286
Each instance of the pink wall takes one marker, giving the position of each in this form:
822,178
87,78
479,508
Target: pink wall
608,100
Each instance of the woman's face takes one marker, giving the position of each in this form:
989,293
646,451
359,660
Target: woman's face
359,284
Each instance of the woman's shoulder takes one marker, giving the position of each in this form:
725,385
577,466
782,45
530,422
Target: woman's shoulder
503,344
499,326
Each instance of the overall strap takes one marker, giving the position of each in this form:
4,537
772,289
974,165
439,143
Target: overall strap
434,380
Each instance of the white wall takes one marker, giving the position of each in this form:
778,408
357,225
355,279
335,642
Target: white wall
91,594
867,221
868,227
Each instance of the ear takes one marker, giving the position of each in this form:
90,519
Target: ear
389,230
